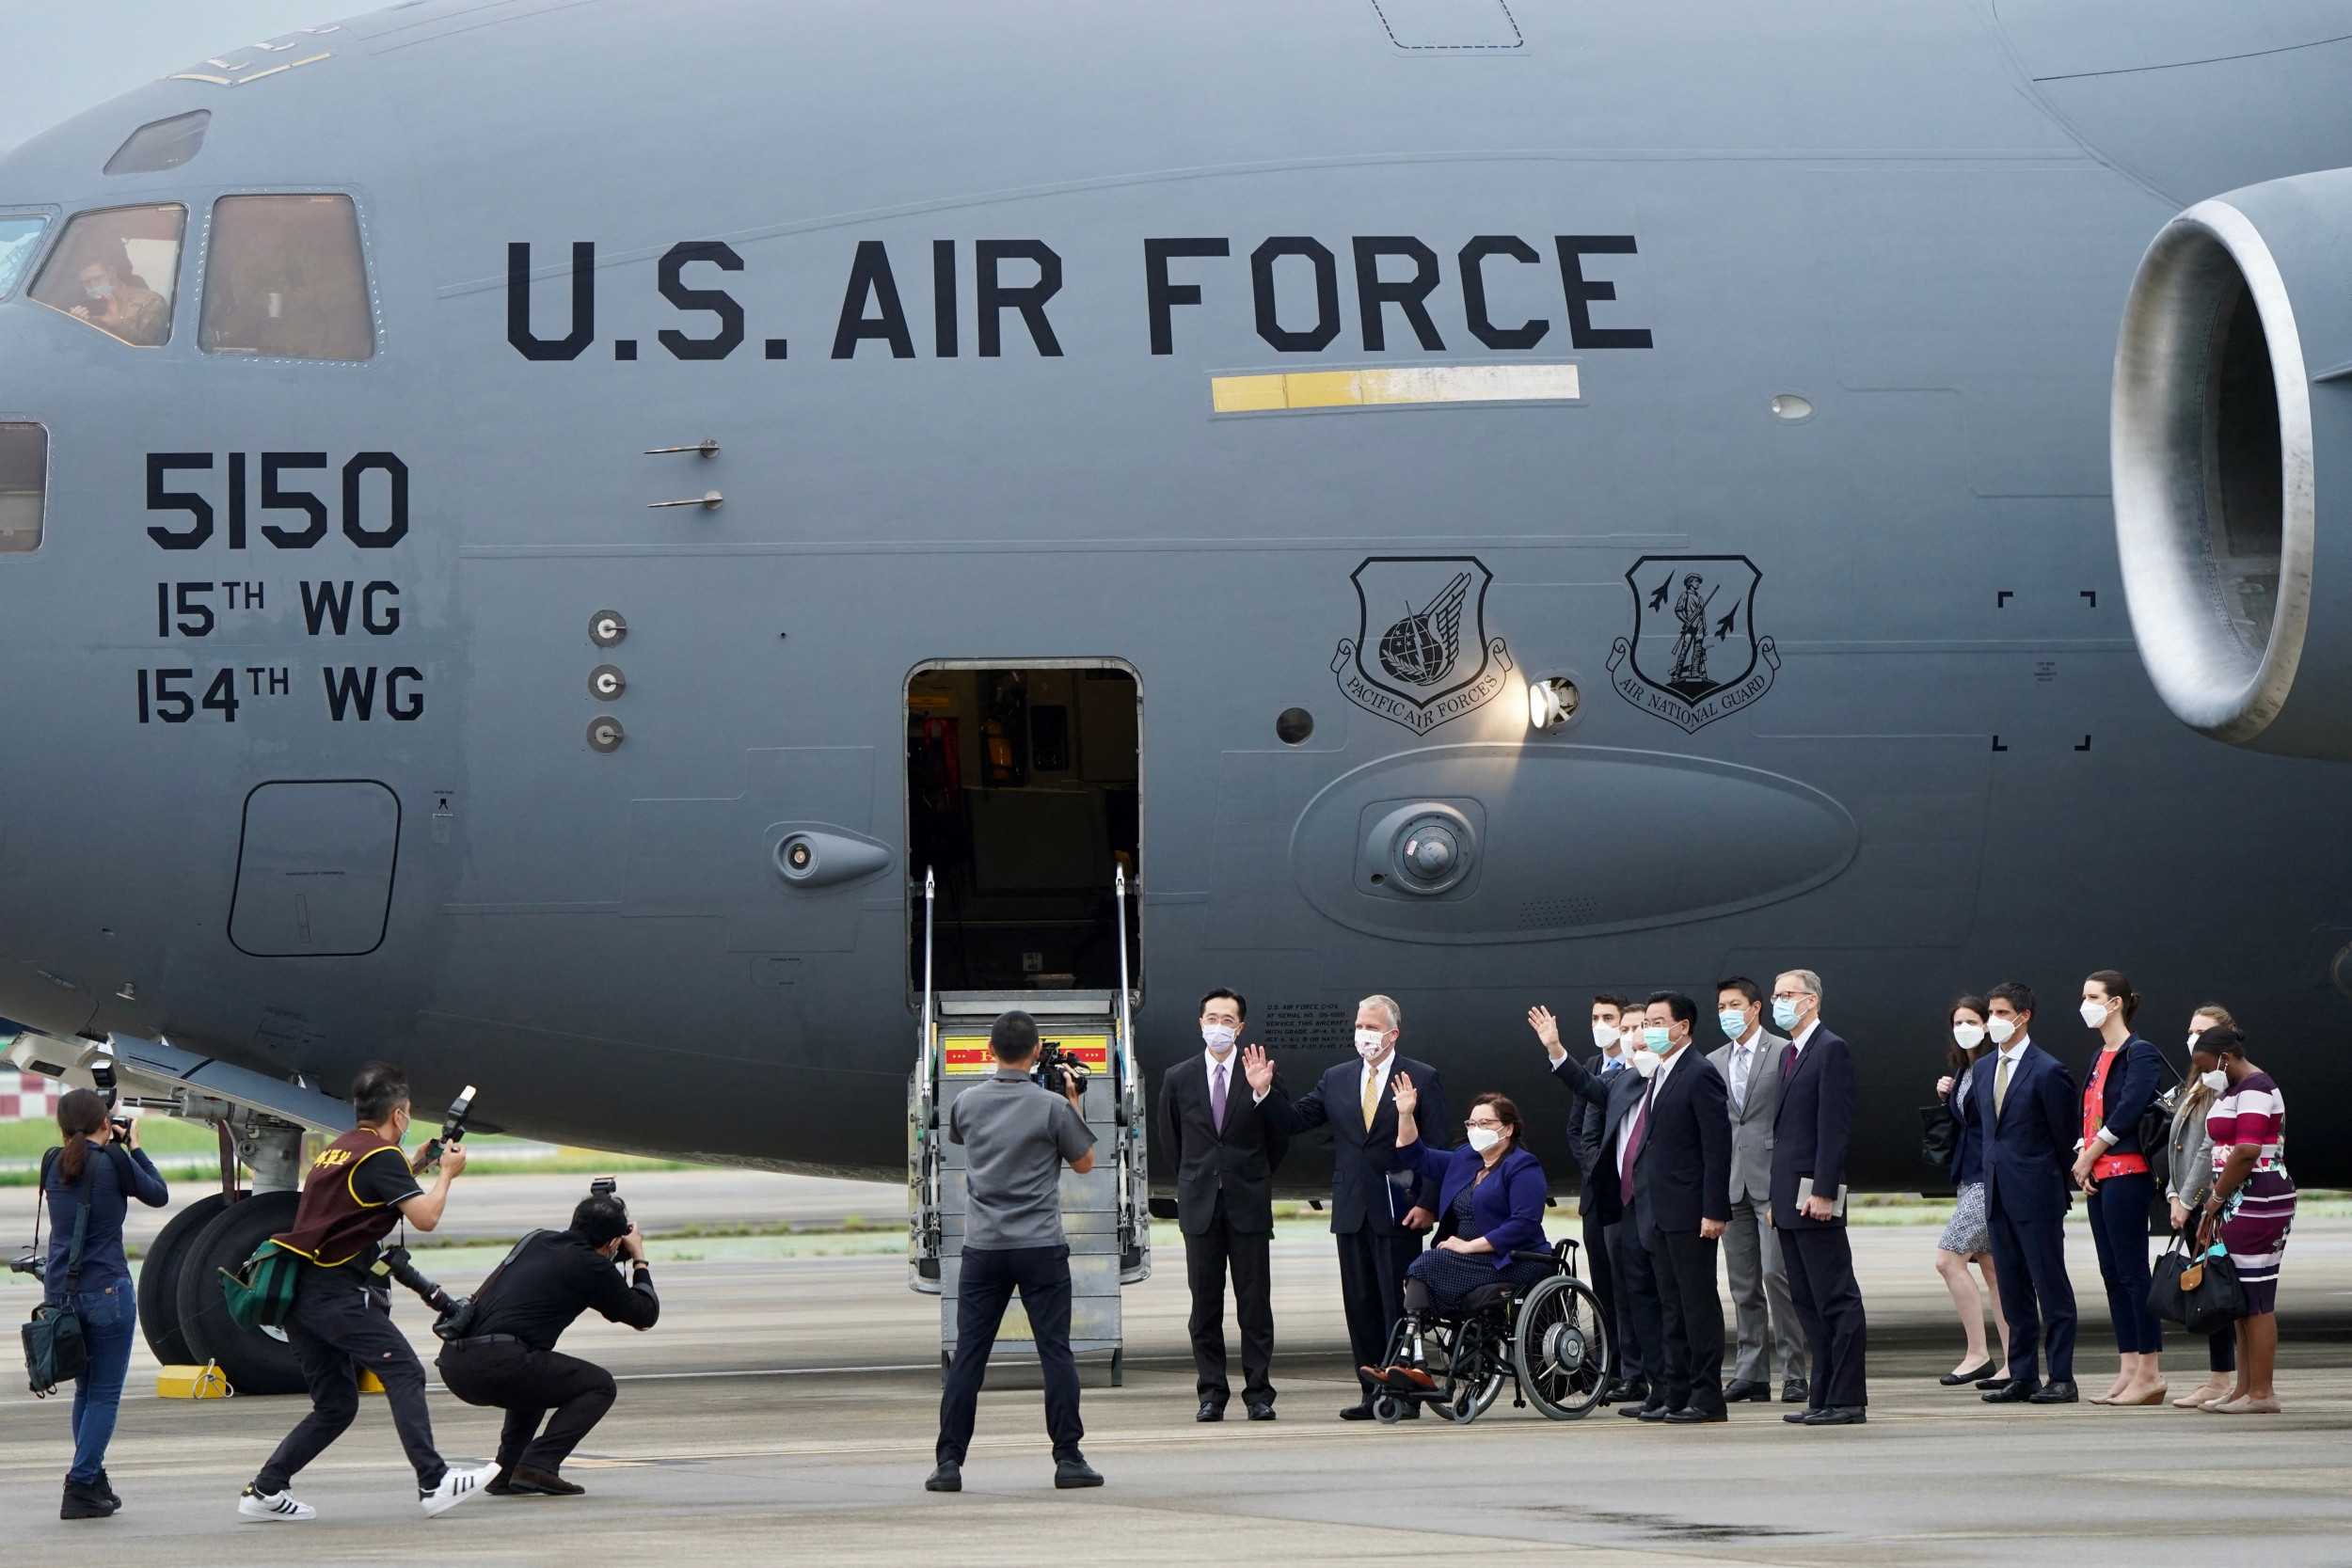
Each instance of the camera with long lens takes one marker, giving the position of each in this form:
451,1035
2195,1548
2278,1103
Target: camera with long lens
101,1077
452,1315
1061,1070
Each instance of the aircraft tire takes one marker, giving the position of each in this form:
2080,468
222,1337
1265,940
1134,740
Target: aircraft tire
159,1281
254,1362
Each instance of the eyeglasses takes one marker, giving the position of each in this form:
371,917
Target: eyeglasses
1792,997
1487,1122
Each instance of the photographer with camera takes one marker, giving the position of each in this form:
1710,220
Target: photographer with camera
356,1191
87,1186
507,1358
1018,1133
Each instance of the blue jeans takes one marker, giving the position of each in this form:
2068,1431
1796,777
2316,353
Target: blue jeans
110,1319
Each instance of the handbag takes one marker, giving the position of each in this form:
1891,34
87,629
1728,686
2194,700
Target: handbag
2165,1298
1939,1135
55,1349
2211,1296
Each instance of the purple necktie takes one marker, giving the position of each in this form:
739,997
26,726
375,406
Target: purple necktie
1217,1099
1788,1061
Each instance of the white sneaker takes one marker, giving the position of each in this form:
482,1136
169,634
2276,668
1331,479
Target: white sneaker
273,1505
456,1487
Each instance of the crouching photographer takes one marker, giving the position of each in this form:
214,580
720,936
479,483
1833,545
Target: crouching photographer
506,1357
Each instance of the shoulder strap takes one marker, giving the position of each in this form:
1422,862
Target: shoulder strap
40,1192
482,1291
81,1228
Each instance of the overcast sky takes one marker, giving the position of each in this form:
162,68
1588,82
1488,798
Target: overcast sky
62,57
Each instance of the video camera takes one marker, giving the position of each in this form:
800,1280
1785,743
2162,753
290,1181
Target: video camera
1060,1070
453,1131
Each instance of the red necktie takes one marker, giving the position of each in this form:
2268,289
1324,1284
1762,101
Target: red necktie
1633,1145
1788,1061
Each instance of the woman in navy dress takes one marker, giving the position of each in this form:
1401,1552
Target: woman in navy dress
1490,1203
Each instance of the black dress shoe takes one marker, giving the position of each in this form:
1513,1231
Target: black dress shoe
1838,1415
1659,1412
2061,1391
1358,1412
1795,1391
1070,1474
1625,1391
542,1483
1209,1411
1262,1412
2017,1390
1691,1414
1801,1417
1978,1375
1650,1408
948,1478
1998,1380
1748,1388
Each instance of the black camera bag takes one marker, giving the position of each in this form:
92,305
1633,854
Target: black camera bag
56,1351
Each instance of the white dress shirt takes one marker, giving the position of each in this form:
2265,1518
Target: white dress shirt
1666,1066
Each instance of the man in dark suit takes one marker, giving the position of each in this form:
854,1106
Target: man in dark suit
1378,1210
1226,1149
1608,1094
1812,1128
2028,1185
1584,1140
1675,1161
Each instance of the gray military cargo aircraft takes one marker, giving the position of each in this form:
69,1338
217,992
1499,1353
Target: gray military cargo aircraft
538,525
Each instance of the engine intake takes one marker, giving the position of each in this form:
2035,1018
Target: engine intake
2233,524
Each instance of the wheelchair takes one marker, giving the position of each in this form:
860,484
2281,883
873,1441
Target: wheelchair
1549,1342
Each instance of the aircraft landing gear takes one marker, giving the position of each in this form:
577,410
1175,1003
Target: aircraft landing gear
180,1308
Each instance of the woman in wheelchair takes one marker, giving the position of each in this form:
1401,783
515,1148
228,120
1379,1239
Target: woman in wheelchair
1491,1200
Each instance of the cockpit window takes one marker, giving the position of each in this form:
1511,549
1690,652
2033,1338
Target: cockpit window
23,483
284,279
161,144
19,236
118,270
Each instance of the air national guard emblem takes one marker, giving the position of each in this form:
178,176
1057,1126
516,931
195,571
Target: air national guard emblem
1693,655
1421,655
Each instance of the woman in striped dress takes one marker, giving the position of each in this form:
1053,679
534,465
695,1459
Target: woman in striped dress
2251,1206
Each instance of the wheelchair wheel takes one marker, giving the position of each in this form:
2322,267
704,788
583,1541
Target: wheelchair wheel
1562,1348
1387,1409
1477,1363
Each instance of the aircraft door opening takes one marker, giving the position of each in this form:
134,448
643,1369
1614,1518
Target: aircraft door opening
1024,800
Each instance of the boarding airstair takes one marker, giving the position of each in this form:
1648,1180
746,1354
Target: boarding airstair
1105,1213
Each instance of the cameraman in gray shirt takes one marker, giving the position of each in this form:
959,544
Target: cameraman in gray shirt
1018,1135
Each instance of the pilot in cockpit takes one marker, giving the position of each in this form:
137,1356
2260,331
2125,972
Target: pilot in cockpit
119,301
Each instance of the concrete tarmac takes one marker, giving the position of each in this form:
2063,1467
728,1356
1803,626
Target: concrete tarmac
785,1408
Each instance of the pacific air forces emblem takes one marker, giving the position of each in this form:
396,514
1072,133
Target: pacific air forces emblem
1421,655
1693,655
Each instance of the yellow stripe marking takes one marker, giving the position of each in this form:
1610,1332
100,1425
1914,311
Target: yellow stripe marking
1426,383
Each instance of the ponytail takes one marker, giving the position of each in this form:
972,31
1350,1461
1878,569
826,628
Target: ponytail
80,1113
2119,987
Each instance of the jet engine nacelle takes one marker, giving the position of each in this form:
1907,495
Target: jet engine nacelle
2232,449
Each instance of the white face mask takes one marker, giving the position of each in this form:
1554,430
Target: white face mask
2217,1080
2000,1029
1644,1062
1604,1035
1370,1042
2094,1014
1218,1037
1484,1138
1969,1036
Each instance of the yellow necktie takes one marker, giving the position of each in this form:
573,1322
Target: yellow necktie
1372,1094
2000,1085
